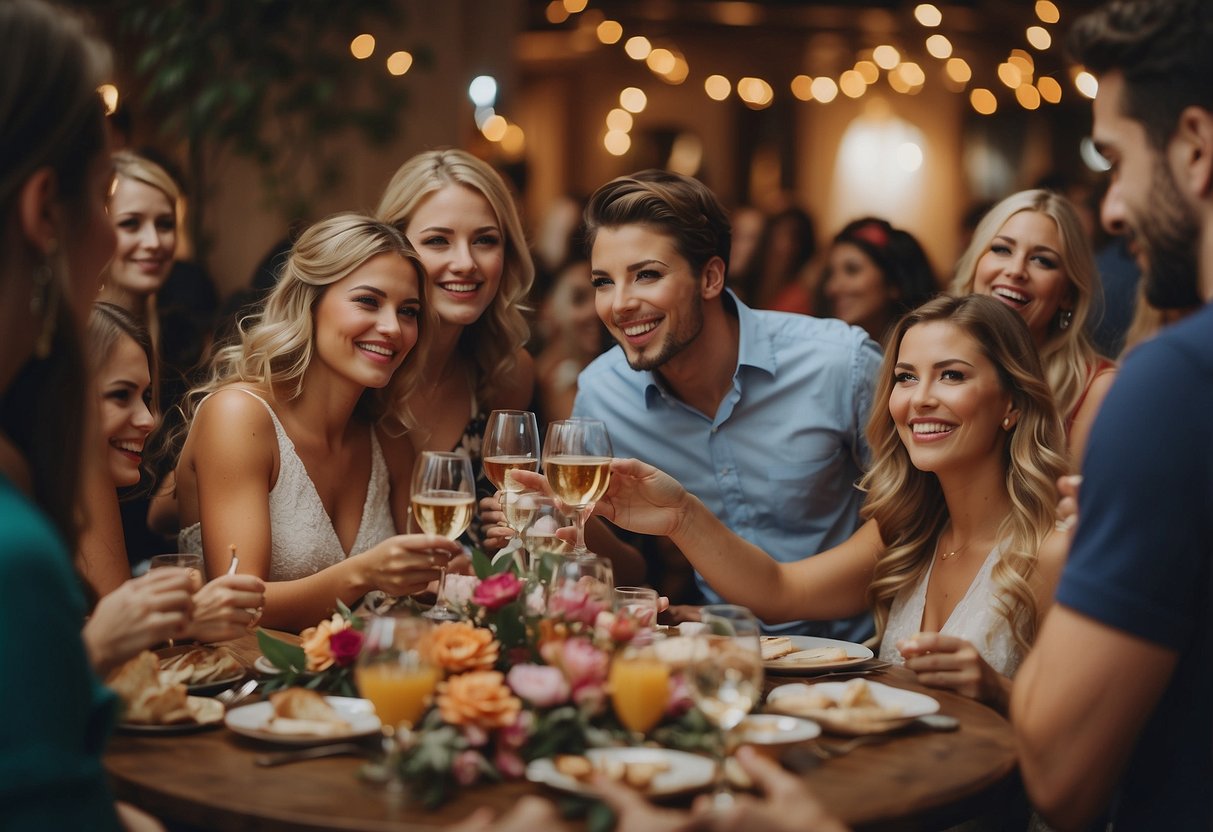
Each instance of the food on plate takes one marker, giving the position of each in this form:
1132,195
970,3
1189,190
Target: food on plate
201,665
301,712
774,647
637,774
153,698
679,652
855,702
814,655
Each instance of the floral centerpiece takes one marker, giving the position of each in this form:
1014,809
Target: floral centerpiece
524,677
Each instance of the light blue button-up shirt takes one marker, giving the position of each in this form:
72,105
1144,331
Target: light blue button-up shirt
779,461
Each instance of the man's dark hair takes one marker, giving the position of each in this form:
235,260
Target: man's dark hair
1163,49
673,204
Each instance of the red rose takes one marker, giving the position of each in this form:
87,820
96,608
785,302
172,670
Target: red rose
345,646
495,592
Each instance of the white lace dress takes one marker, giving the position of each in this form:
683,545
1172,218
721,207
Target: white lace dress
302,538
976,619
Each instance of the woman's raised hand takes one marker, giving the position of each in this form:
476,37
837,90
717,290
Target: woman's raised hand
227,607
140,613
952,663
407,563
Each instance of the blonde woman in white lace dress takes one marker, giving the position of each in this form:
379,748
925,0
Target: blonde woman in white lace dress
296,451
957,559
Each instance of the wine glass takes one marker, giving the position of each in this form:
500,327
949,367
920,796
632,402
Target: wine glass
577,463
726,678
640,688
511,442
394,672
581,587
444,498
639,603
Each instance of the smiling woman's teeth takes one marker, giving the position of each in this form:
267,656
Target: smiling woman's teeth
1011,294
376,349
129,447
930,427
640,329
459,287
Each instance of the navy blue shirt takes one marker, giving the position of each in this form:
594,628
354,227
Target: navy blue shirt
1140,561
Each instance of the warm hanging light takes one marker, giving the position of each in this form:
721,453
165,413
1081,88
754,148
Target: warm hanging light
885,56
619,119
1027,96
494,128
609,32
1047,11
983,101
1086,84
717,87
1010,74
928,15
1039,37
616,142
633,100
824,89
868,71
939,47
398,63
852,84
638,47
1049,89
802,87
363,46
958,70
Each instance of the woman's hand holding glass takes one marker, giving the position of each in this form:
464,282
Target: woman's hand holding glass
577,464
227,607
444,497
406,563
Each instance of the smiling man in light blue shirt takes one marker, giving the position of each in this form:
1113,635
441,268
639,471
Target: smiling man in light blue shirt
760,414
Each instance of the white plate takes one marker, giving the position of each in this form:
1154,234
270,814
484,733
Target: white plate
175,728
856,653
253,721
776,729
901,707
686,772
265,666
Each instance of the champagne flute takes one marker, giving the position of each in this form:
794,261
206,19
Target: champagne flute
577,463
394,672
726,678
444,498
180,560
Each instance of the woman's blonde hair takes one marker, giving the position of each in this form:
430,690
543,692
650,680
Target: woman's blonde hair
1068,355
129,165
494,339
277,346
908,504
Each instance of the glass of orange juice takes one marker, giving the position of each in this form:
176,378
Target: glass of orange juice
640,688
395,673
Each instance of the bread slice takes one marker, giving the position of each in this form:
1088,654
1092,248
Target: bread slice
302,711
815,655
774,647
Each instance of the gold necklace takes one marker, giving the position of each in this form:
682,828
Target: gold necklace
952,554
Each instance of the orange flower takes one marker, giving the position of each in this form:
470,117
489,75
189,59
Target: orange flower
456,647
480,698
316,642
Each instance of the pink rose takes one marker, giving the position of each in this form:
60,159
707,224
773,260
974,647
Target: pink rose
495,592
458,589
475,735
619,628
590,697
345,645
680,700
540,685
509,764
583,663
466,767
515,736
574,604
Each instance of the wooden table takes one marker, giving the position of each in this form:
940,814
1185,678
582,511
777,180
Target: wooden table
208,780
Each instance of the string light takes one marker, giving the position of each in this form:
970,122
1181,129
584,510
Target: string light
1047,11
1086,84
939,46
660,61
802,87
575,6
638,47
514,141
399,63
633,100
852,84
556,13
609,32
717,87
1027,96
755,92
983,101
928,15
824,89
494,128
617,142
619,119
362,47
1039,37
1010,74
885,56
1049,89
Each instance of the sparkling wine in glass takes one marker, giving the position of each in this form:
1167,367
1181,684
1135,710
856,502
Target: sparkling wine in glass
444,498
726,677
577,463
511,443
394,672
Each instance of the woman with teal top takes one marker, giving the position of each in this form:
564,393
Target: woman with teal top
56,239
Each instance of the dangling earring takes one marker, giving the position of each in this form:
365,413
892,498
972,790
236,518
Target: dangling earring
44,303
1064,318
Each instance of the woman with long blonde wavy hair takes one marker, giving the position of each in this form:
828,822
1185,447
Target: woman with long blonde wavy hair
295,452
957,558
1031,253
459,215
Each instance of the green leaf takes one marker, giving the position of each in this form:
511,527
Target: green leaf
280,654
481,564
599,818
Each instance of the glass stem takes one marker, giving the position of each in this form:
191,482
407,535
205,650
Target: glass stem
440,600
583,514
